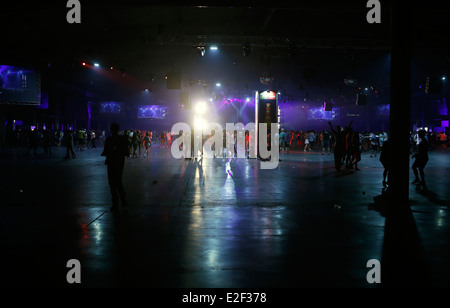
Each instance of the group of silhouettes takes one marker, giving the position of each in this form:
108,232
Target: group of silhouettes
347,147
347,152
420,156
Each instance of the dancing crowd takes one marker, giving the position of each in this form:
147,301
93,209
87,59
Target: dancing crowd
344,142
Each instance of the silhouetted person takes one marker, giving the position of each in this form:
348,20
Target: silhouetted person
339,145
421,157
33,141
69,145
384,159
58,138
326,138
346,132
356,150
147,144
135,141
116,149
93,138
47,142
349,149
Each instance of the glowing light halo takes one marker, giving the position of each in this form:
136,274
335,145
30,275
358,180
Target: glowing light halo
200,123
201,108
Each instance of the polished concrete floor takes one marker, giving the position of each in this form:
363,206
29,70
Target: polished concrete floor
218,223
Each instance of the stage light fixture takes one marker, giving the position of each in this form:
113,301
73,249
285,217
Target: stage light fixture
84,63
96,65
213,47
201,50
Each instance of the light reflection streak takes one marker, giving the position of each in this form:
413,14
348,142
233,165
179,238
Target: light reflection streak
441,218
229,187
98,231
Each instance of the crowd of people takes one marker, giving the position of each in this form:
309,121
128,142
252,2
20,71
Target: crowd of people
140,141
324,141
46,139
344,142
435,140
84,139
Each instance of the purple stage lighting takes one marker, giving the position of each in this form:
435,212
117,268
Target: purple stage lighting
383,111
110,107
152,112
320,114
19,85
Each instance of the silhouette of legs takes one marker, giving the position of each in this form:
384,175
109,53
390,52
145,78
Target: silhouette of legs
337,160
418,169
115,182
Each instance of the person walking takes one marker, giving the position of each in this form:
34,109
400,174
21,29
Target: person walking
136,141
162,138
116,149
325,139
384,159
59,138
421,159
307,146
339,146
147,144
356,150
443,140
282,141
69,145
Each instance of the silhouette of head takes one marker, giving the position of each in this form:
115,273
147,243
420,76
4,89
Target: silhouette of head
114,128
421,133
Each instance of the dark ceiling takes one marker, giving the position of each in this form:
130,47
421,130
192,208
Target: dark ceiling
129,31
126,31
149,38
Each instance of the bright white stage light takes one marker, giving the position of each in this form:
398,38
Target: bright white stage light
201,50
213,48
199,123
96,65
201,108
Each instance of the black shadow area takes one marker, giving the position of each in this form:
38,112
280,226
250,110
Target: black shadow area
403,261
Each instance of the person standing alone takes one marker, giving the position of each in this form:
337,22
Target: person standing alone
116,149
421,159
147,144
69,145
